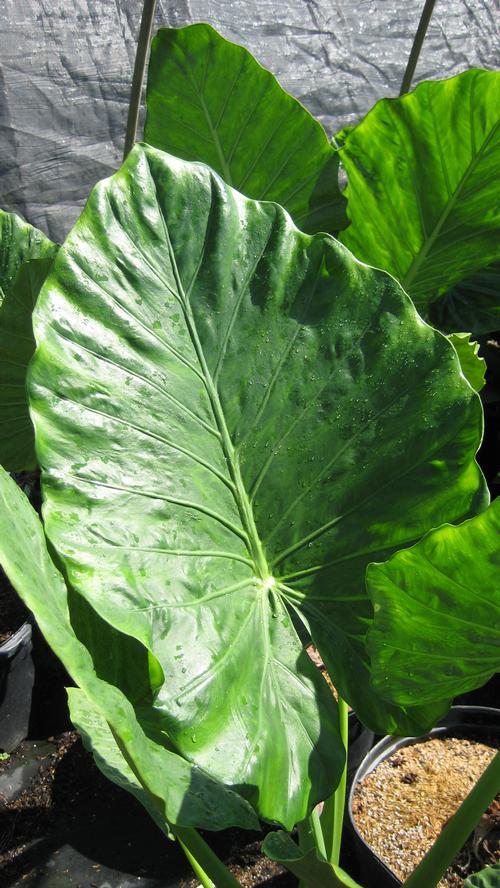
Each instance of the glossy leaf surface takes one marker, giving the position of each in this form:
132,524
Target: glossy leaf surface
20,281
181,794
233,419
422,191
209,100
473,366
437,612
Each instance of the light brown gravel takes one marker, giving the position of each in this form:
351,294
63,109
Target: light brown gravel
401,807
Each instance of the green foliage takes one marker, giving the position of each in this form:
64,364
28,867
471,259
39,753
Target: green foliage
473,367
209,100
180,793
472,304
25,258
306,865
437,608
422,190
196,499
487,878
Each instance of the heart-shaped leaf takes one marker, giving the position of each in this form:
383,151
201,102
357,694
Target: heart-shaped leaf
422,189
437,612
209,100
233,418
20,282
179,793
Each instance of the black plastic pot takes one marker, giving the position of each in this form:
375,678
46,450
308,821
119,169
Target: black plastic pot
461,721
16,686
360,742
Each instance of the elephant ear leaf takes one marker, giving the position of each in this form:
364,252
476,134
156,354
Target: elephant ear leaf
25,258
423,175
233,418
473,366
209,100
437,612
162,780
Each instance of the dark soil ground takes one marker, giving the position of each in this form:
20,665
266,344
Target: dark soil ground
69,804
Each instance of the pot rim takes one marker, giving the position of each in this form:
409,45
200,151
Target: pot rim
11,644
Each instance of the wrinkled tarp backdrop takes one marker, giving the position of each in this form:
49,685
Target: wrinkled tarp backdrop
66,69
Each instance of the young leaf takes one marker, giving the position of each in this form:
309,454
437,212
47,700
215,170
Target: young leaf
181,794
489,877
437,613
473,366
25,258
422,184
309,866
209,100
233,418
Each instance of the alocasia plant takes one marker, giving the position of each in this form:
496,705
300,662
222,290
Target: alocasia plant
233,419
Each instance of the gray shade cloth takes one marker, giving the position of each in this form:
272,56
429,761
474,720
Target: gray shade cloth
66,69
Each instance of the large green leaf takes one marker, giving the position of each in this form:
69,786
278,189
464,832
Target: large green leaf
209,100
233,418
180,794
20,281
437,612
422,191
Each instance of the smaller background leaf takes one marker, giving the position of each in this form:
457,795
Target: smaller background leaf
17,344
473,304
473,366
487,878
308,866
210,100
436,627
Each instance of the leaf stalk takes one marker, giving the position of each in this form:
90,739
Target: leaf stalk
332,818
417,46
207,866
143,42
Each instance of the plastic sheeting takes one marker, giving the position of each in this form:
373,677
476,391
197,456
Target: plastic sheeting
66,68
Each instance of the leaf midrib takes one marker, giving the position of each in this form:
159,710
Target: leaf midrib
242,500
412,272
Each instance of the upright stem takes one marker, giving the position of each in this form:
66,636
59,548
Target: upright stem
417,46
332,819
457,830
207,866
144,39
